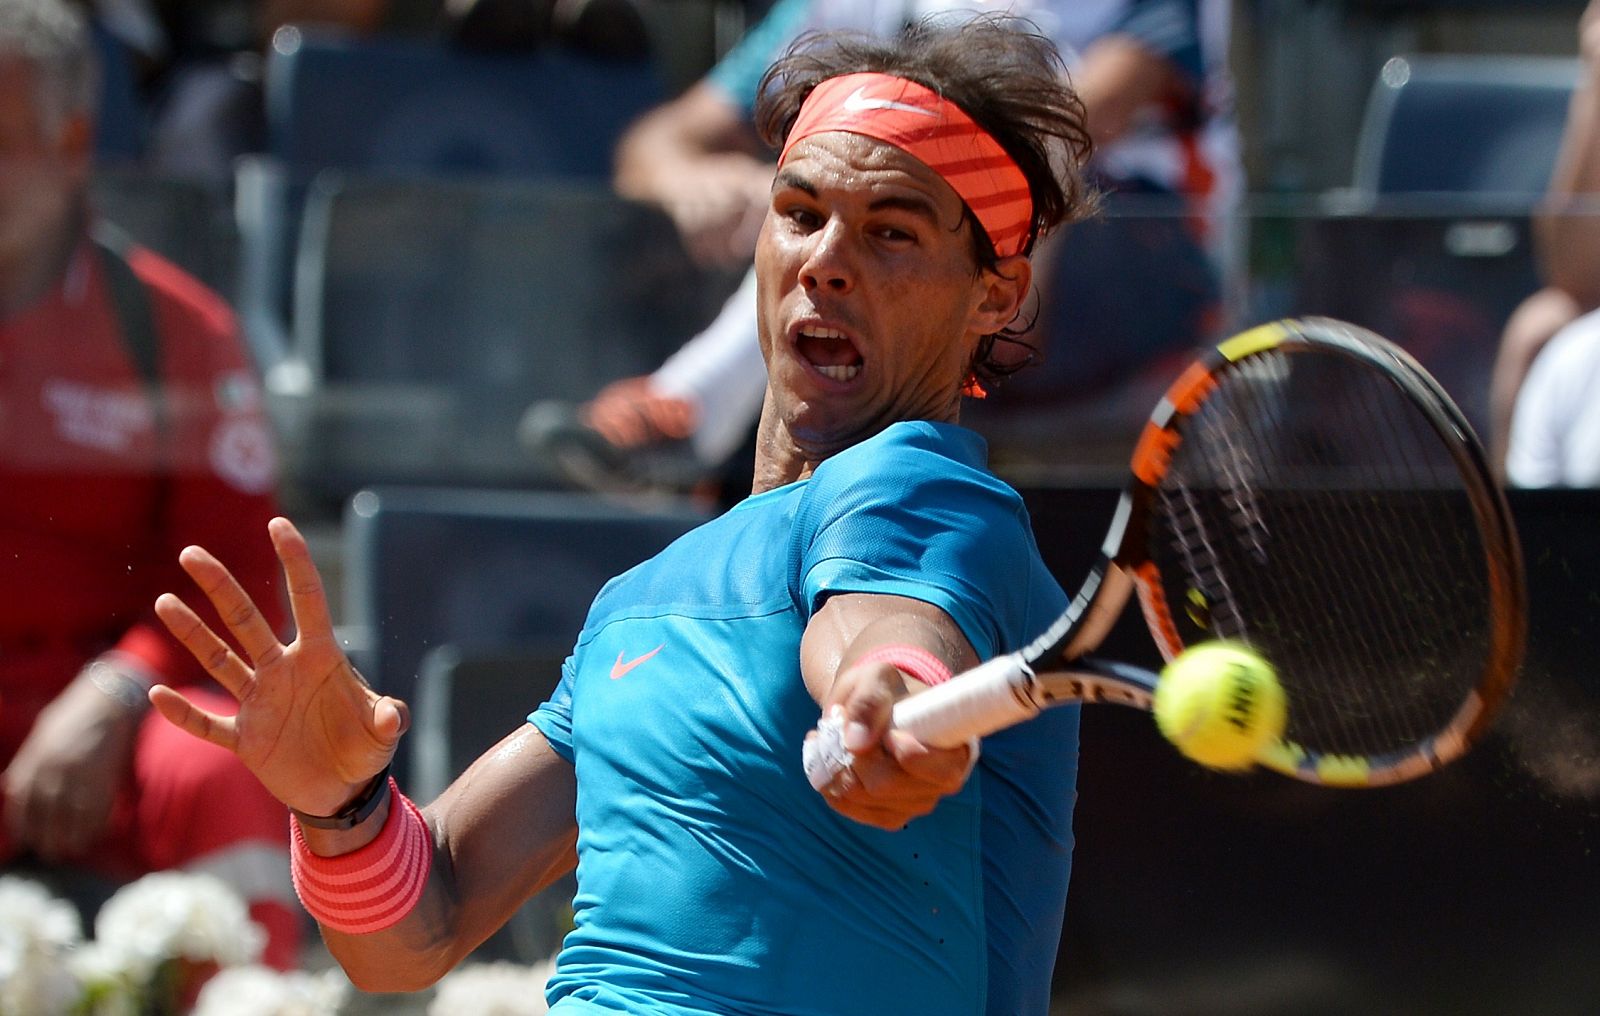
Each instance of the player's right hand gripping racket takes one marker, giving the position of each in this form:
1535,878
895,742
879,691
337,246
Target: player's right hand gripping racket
1308,489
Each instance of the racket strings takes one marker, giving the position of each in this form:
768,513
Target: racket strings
1325,510
1408,508
1400,439
1363,709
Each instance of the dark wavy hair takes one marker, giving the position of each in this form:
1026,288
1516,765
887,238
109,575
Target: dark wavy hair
1003,74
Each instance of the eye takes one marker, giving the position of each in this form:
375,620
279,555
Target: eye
803,217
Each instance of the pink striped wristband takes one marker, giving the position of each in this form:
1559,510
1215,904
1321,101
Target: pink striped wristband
370,888
913,661
922,665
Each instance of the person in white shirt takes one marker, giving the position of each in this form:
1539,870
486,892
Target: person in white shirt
1555,425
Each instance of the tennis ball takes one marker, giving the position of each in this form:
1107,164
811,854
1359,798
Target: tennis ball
1220,704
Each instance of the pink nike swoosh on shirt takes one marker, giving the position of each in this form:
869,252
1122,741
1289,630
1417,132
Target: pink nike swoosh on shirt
619,668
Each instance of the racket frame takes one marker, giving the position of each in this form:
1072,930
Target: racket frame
1056,657
1056,667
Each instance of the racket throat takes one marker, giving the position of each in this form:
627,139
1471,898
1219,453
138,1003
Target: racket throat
1105,681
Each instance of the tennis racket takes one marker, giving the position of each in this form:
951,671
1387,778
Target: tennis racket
1307,489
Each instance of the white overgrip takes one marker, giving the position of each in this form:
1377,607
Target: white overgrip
980,701
991,696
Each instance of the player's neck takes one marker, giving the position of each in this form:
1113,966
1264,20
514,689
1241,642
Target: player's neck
778,459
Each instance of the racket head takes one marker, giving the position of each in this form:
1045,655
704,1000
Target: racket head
1308,489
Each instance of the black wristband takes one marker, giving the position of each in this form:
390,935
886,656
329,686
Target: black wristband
357,811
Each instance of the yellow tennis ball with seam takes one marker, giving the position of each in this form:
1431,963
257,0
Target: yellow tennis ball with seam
1220,703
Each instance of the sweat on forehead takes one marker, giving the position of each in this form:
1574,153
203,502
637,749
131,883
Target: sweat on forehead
937,133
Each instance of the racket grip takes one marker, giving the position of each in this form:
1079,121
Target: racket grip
987,698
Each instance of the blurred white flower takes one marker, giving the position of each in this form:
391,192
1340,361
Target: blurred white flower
37,935
108,989
260,991
28,909
174,915
493,989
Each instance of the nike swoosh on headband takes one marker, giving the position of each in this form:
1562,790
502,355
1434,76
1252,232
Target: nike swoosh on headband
858,101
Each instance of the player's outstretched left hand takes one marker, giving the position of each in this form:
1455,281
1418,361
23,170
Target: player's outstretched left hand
308,725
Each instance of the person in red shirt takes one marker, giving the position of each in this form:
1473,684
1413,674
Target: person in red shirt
102,482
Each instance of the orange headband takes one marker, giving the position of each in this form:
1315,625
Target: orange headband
924,124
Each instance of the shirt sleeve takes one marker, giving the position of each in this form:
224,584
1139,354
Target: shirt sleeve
1547,405
738,74
554,716
907,522
221,467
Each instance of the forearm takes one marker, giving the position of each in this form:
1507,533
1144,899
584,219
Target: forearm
413,951
664,145
860,654
1566,228
852,625
500,833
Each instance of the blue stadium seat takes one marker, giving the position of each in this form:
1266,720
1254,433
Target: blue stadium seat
393,104
389,105
1432,245
485,572
1464,125
430,313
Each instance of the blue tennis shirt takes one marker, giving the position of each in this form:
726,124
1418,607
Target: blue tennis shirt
711,877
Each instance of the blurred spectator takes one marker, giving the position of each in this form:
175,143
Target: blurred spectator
1567,234
1152,75
131,426
1555,424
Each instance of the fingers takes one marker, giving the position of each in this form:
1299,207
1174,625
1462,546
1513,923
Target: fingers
904,769
868,705
221,731
873,792
897,779
232,604
945,769
307,601
215,655
390,718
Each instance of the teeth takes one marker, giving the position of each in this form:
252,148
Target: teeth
841,372
818,332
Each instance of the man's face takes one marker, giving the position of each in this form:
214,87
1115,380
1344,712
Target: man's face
42,172
871,302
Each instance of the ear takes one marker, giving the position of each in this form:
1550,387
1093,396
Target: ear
1001,293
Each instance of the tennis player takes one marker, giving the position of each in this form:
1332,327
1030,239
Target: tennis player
876,555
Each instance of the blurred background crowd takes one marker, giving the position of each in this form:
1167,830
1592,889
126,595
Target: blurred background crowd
461,286
432,217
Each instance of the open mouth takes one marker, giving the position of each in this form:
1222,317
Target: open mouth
829,351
